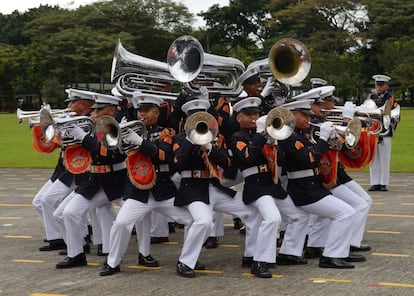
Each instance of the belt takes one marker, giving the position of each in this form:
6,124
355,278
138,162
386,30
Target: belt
303,173
107,168
161,168
203,174
255,170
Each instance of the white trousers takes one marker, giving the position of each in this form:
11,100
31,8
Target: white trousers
342,217
159,225
71,216
37,200
53,197
379,169
136,212
296,223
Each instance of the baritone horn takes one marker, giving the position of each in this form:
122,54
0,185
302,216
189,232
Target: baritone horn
114,132
280,123
201,128
189,64
61,125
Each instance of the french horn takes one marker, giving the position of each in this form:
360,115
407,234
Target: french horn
201,128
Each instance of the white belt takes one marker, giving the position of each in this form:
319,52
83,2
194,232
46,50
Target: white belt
162,168
107,168
254,170
303,173
205,174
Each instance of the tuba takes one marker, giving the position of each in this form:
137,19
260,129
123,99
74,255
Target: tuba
60,125
132,72
201,128
280,123
188,63
113,133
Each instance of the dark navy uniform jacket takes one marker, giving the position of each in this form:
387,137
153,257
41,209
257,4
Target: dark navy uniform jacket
187,157
111,182
158,147
297,153
246,146
65,176
380,100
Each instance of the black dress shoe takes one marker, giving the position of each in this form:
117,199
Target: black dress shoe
199,266
147,261
327,262
354,257
212,242
185,271
54,244
383,188
260,269
247,262
159,240
69,262
312,252
237,223
108,270
361,248
99,251
374,188
283,259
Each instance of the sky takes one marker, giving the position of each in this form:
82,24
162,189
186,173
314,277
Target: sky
8,6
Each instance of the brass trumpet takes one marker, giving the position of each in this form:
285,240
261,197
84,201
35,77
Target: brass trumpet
114,133
201,128
345,135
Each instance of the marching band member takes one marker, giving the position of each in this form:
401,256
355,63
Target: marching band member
105,184
301,159
202,193
259,187
147,190
62,181
380,167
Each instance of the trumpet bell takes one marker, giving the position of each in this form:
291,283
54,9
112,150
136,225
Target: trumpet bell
201,128
47,124
108,127
185,58
352,132
280,123
289,61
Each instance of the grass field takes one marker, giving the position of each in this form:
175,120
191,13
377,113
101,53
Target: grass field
17,152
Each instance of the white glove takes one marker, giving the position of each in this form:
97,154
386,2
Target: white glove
133,138
349,110
261,124
326,130
203,93
77,133
208,147
269,87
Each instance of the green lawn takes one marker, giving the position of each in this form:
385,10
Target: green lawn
16,147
